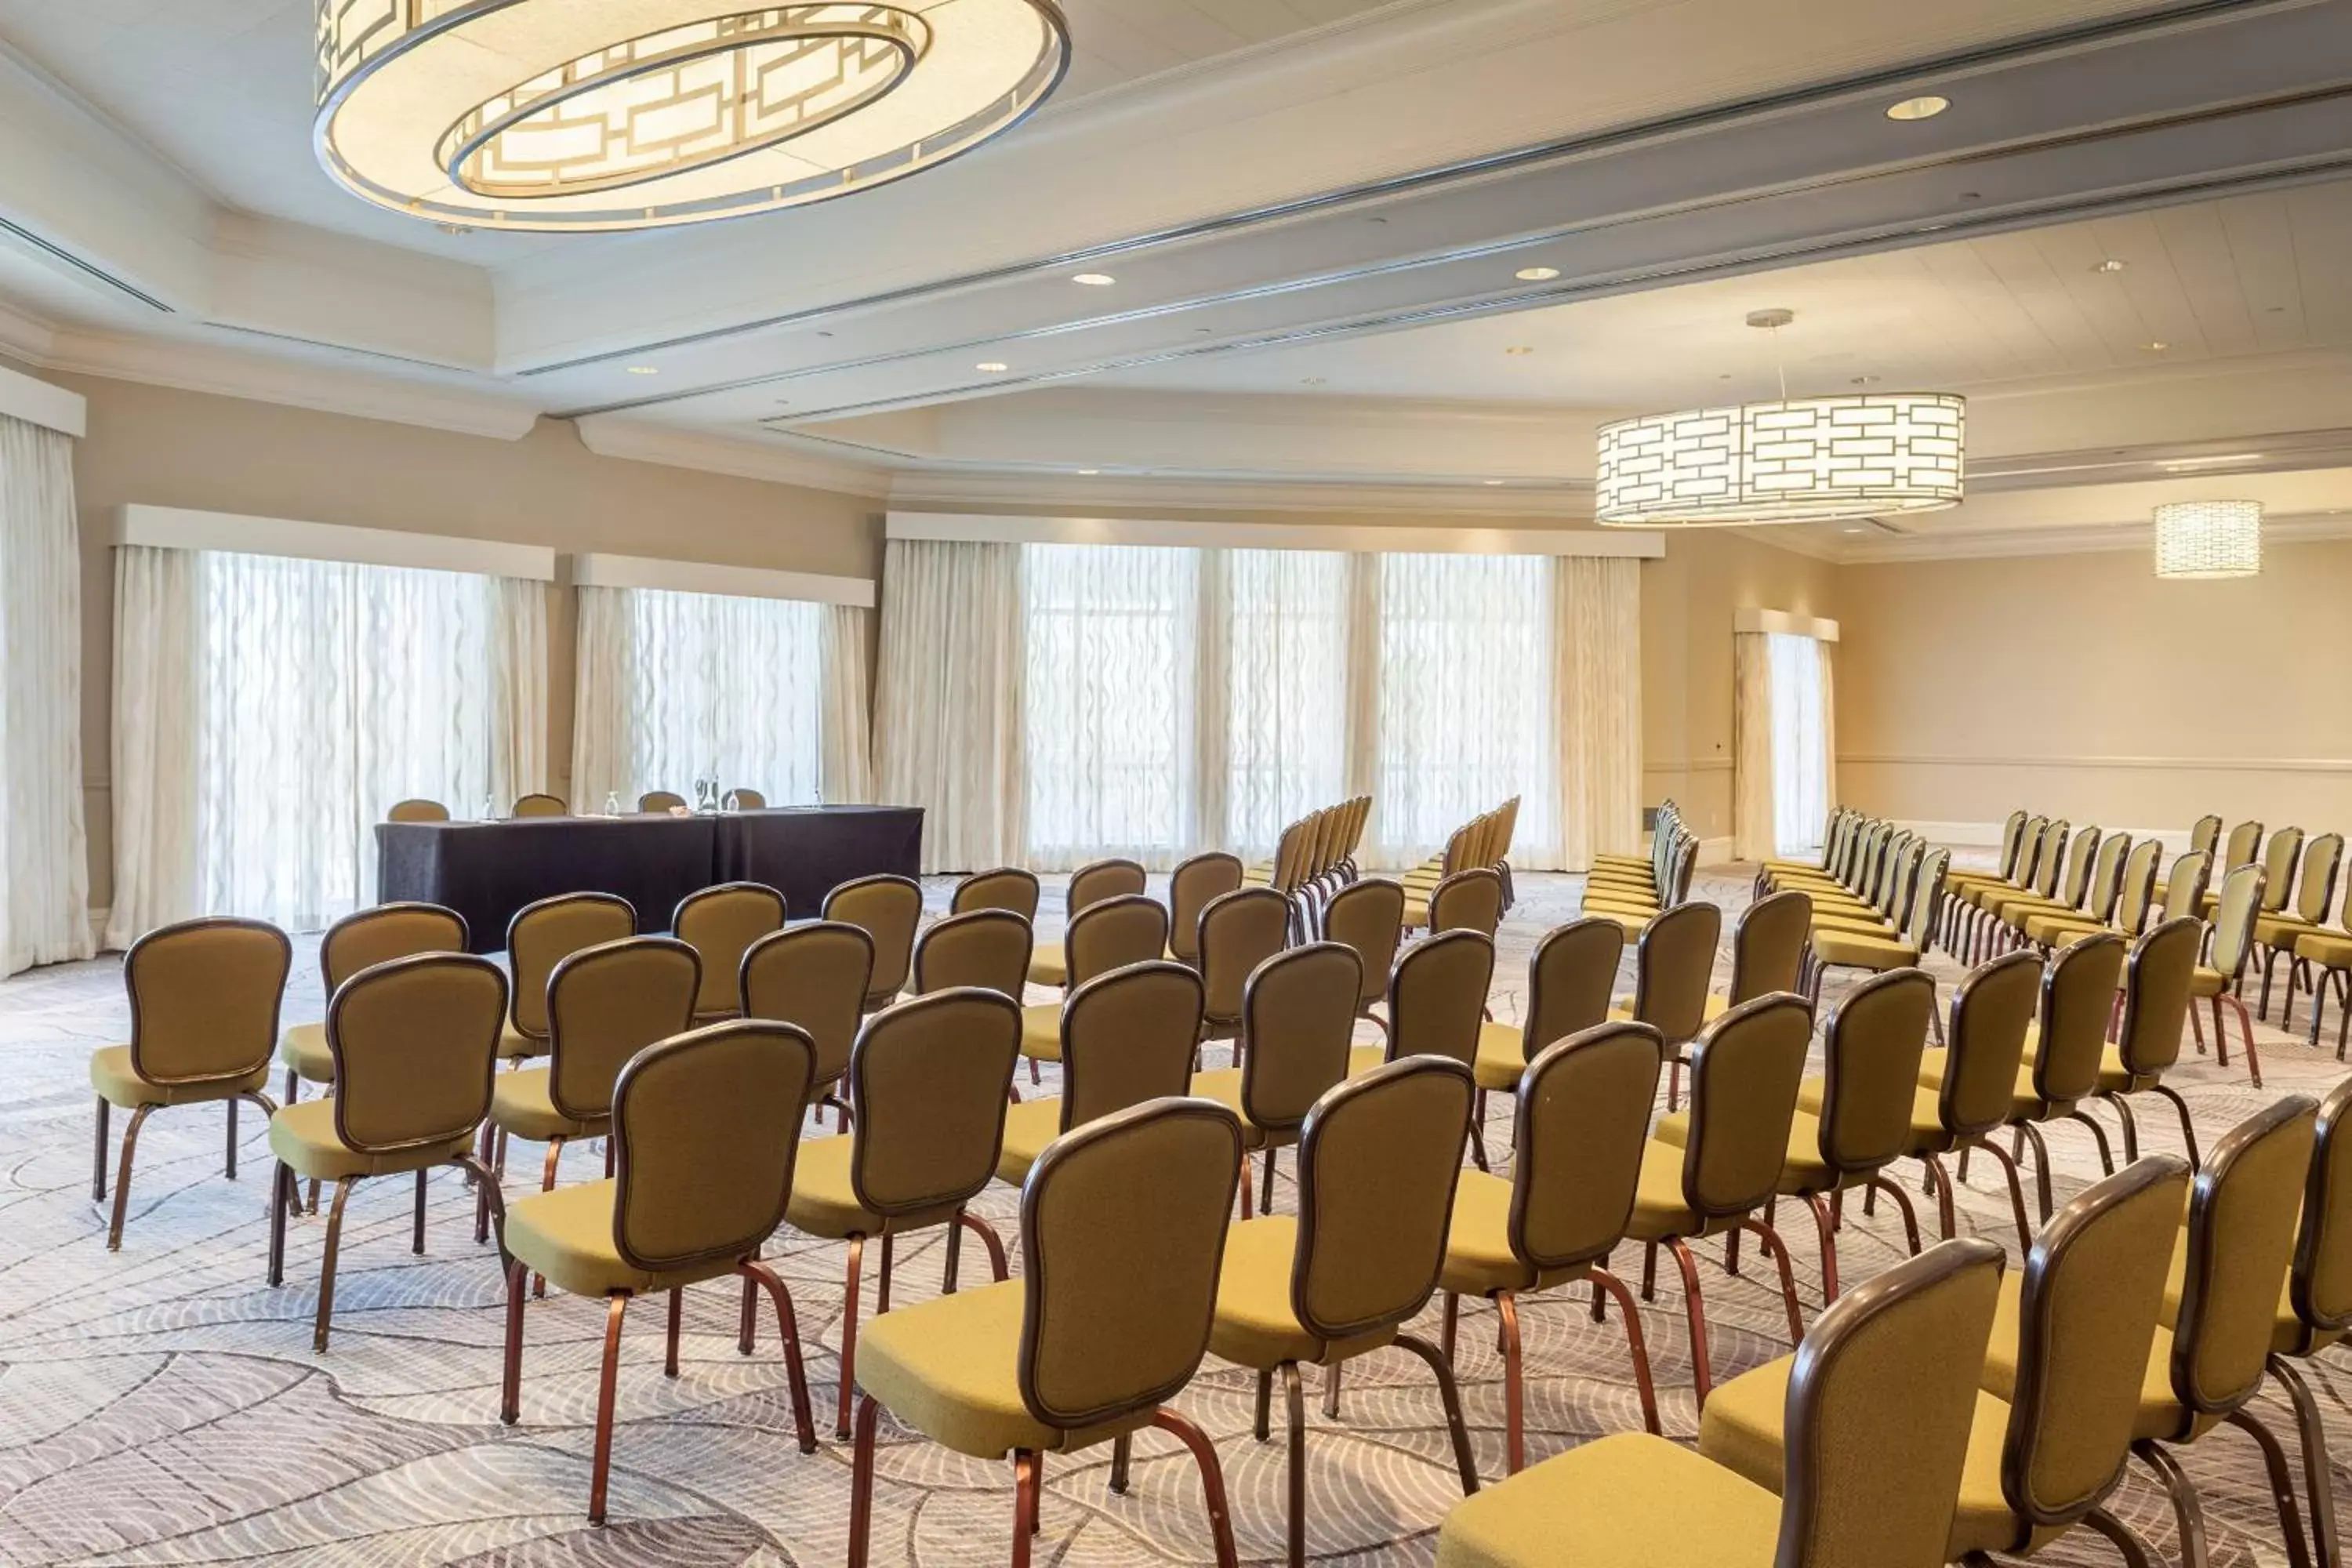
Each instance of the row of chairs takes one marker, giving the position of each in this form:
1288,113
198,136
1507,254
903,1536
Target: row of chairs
1484,843
539,804
1314,857
1632,890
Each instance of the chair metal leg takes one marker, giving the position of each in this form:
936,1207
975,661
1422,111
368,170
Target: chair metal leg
2281,1480
1248,1182
861,1482
228,1161
1695,1307
1028,1496
1947,1208
608,1378
1295,1535
2326,1548
2099,1135
2245,1023
1122,1454
2041,1175
1636,1347
327,1263
2135,1551
788,1327
2188,1123
1462,1460
670,1335
997,1267
1261,1428
511,1382
882,1275
122,1177
848,1338
1515,1448
2187,1512
98,1163
1902,1201
1826,1230
293,1085
1332,1391
1212,1480
486,1191
2129,1123
1779,1252
2016,1191
416,1227
1265,1198
281,1193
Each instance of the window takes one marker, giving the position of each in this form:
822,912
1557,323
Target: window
719,686
1800,743
1285,690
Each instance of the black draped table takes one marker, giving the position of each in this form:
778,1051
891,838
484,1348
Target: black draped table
487,870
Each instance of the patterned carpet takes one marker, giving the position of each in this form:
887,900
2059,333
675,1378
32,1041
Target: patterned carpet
162,1405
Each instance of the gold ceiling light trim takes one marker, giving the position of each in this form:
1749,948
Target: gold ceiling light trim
574,116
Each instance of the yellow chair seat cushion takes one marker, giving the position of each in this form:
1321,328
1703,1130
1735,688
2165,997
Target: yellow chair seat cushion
1610,858
2289,1336
1502,1057
2208,981
2056,928
1658,1209
523,1103
1224,1085
1047,966
2283,932
2023,1102
823,1202
1362,1059
1478,1257
303,1048
2328,949
2159,1416
111,1076
1630,1501
1255,1325
1863,951
1854,925
516,1046
567,1235
1040,1032
1801,1168
1416,913
1028,1128
303,1136
1927,1135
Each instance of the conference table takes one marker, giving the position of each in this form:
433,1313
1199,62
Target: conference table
487,870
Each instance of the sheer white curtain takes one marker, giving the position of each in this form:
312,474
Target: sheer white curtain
674,686
1800,743
1755,821
1274,693
948,713
45,909
1597,682
1464,709
1109,700
268,710
847,720
519,755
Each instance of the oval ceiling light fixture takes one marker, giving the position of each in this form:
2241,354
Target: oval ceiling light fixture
1793,459
1927,106
644,370
2203,540
559,117
1536,274
1095,279
992,367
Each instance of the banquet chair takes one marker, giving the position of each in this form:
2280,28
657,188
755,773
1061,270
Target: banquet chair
418,811
887,908
1438,1005
1377,1161
1466,900
1369,916
366,937
929,1080
2205,837
2244,842
2044,844
1881,1395
537,804
2123,908
1128,1036
2206,1370
1239,930
748,799
986,948
658,802
1674,963
706,1128
2147,1032
1874,952
1191,887
1123,1228
539,937
1570,976
814,976
1663,819
2081,1315
1880,911
2317,1309
1111,933
605,1004
2085,859
1583,1109
2063,1050
205,995
2326,956
720,924
1633,914
1506,827
2277,934
2232,942
1768,945
1089,885
1006,887
1744,1077
2281,856
2012,842
1296,1015
415,1048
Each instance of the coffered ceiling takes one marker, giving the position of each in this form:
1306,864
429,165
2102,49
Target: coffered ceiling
1317,214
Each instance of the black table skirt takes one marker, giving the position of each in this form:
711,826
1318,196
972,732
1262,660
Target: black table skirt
487,870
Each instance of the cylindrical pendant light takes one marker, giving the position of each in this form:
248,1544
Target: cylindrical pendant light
2198,540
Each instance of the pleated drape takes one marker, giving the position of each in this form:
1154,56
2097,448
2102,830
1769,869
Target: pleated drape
1597,683
947,730
1754,829
847,720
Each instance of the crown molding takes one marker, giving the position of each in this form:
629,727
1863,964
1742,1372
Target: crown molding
1193,493
778,460
25,336
2103,539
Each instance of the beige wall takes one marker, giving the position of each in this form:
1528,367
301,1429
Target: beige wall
2081,685
158,446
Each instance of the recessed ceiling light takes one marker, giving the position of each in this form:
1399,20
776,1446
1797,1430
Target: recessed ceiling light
1521,349
643,370
1857,530
1492,481
2157,347
1095,279
2110,265
991,365
1312,380
1927,106
1865,380
1090,470
1537,274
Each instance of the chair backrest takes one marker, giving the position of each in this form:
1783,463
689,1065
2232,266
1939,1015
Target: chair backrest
2091,1298
1926,895
1882,1372
661,800
1297,1017
607,1003
1369,916
928,1083
205,995
2029,851
415,1043
2321,1286
987,947
1672,965
1901,875
2184,890
1870,1057
1111,933
1127,1038
1584,1120
386,931
1571,977
2082,858
1437,996
890,909
1377,1166
720,924
2155,995
418,811
1100,879
2012,839
2245,840
2054,840
1122,1240
542,934
2078,999
815,976
2136,886
748,799
706,1131
2279,857
1995,1002
1745,1072
2323,859
2241,1244
1239,930
1006,887
1469,900
1289,853
2233,918
1191,887
1766,942
538,804
2205,833
2106,882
